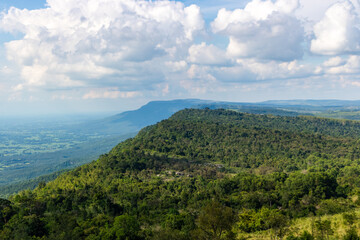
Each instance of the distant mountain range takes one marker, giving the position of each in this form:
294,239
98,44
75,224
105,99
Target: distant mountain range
133,121
155,111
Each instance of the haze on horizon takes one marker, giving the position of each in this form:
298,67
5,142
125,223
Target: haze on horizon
81,56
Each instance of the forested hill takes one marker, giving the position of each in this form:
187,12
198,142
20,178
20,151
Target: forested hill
309,124
248,140
201,174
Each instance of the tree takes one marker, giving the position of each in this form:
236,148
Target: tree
126,228
6,211
215,222
349,218
323,228
265,218
351,234
304,236
276,221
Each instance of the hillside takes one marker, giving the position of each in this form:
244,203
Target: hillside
242,173
65,145
78,143
40,149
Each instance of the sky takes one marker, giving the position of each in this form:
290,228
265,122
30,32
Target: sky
87,56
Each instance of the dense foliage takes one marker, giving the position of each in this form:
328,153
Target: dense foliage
10,189
202,174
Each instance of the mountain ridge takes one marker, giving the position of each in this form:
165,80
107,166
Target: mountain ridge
254,169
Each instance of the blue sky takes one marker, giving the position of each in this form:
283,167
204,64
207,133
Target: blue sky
33,4
73,56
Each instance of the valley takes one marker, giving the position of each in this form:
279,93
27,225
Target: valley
179,120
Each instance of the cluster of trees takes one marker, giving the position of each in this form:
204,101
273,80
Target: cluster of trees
202,174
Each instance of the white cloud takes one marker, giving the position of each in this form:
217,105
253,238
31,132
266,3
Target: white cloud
110,94
251,70
5,70
207,55
119,49
200,73
234,74
334,62
285,70
199,81
314,10
351,66
263,30
89,42
338,32
34,74
176,66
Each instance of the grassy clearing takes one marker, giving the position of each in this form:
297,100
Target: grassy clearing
298,226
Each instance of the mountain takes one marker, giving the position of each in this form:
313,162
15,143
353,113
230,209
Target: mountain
151,113
98,137
201,174
155,111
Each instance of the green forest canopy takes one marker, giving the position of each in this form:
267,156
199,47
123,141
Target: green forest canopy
256,172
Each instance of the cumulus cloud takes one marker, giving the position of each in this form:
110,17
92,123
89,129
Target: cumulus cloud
75,42
350,66
334,62
207,55
176,66
251,70
118,49
263,30
313,10
247,71
338,32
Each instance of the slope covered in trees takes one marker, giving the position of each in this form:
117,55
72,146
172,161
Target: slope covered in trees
22,160
202,174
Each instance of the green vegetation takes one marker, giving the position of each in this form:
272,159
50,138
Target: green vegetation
7,190
34,147
31,148
205,174
352,114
